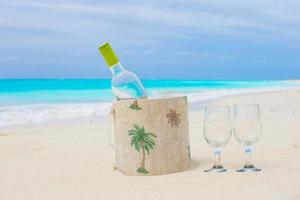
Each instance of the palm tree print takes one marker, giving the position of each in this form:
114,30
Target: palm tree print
142,141
173,118
135,106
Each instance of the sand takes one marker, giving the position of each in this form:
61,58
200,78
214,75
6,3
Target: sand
74,161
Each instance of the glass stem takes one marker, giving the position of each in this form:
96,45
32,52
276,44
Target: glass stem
217,153
248,152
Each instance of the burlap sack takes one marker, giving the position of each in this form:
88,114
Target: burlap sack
151,136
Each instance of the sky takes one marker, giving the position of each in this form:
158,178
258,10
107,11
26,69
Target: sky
156,39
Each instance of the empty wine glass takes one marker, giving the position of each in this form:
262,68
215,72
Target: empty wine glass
217,132
247,131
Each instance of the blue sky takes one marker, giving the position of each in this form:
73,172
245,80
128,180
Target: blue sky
173,39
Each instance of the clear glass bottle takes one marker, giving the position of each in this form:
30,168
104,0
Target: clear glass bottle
125,84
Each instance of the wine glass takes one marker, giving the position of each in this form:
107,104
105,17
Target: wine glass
247,131
217,132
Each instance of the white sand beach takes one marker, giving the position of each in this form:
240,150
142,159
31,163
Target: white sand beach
74,161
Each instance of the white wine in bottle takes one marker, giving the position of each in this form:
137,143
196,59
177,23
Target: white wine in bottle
125,84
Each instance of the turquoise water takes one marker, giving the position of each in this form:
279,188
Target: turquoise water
26,102
41,91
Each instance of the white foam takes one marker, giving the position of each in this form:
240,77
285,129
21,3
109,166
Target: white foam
17,115
195,96
214,94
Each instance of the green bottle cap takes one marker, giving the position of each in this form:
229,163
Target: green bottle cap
108,54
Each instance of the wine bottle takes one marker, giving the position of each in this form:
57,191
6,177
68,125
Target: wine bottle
125,84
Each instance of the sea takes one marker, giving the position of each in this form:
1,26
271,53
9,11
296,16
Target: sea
36,101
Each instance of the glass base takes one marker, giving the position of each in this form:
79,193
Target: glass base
248,168
216,168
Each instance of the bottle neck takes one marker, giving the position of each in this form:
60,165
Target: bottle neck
116,69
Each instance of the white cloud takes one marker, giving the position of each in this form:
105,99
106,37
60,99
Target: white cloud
218,17
200,55
134,22
9,59
156,32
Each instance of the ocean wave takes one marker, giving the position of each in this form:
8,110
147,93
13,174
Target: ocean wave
18,115
199,95
214,94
